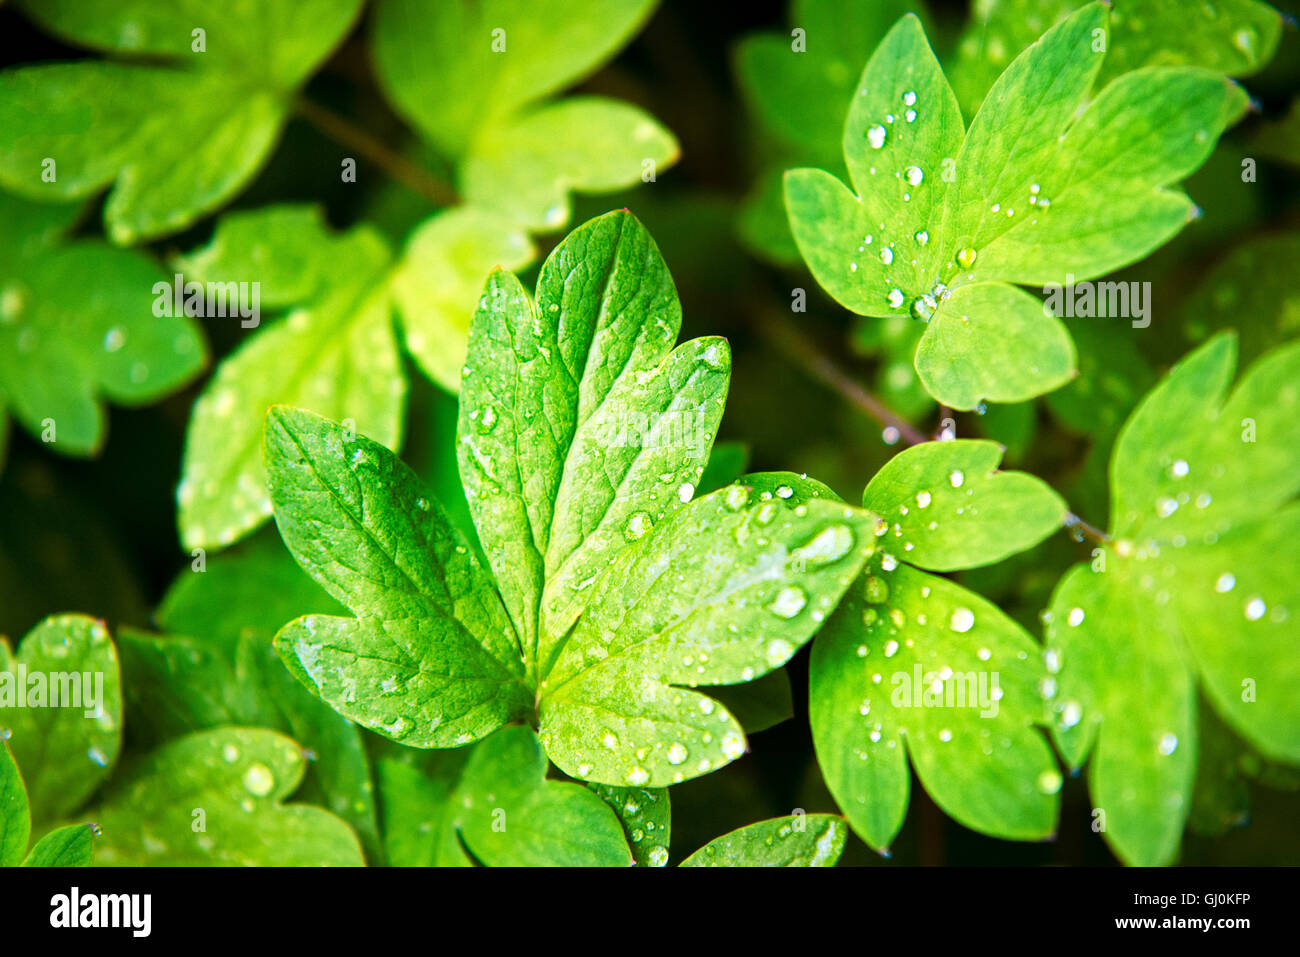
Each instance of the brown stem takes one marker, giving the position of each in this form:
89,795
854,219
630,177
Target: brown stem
1080,527
402,170
822,368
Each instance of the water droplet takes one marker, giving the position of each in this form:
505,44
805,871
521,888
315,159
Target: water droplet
1075,618
733,745
685,492
789,602
1070,714
1179,469
657,856
258,780
779,651
914,175
638,776
1050,781
956,478
784,491
1168,743
1255,609
963,620
886,255
677,753
737,497
114,339
896,299
638,523
966,258
909,98
830,544
922,237
1225,583
888,562
922,499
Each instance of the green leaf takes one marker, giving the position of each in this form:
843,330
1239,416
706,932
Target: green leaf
64,749
440,277
15,815
238,778
491,803
526,167
812,840
915,665
797,86
66,346
723,591
580,425
335,353
989,340
476,63
1046,187
952,509
1236,37
176,135
415,810
510,816
646,816
430,659
1195,589
71,846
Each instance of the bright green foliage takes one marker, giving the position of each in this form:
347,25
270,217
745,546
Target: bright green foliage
914,664
797,85
1236,37
65,752
510,816
646,816
176,122
70,846
238,779
15,816
491,804
1196,590
583,435
1045,186
431,659
474,81
77,327
952,509
811,840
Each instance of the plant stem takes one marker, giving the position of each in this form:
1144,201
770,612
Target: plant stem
339,128
1078,525
824,369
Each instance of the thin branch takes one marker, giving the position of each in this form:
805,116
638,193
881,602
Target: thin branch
402,170
1081,529
822,368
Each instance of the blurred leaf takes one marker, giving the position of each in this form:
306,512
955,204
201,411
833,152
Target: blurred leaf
526,167
1236,37
71,846
77,327
215,798
66,741
175,135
